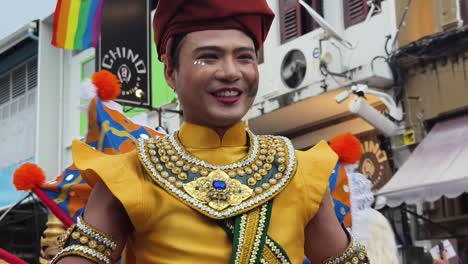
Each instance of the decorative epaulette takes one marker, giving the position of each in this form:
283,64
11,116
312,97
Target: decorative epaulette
220,192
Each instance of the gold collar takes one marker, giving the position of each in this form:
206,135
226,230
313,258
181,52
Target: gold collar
224,191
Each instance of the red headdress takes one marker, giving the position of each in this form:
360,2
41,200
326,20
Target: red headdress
175,17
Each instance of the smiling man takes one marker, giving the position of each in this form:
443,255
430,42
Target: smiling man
215,77
213,192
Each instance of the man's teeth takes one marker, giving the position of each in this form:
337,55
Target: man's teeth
227,93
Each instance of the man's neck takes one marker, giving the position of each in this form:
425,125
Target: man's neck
220,130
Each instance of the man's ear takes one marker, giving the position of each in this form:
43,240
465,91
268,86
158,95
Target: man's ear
169,72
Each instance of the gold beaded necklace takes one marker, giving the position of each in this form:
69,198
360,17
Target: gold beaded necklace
259,175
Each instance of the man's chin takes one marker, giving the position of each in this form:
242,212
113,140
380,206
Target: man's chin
225,120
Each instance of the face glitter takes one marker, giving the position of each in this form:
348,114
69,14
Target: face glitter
198,62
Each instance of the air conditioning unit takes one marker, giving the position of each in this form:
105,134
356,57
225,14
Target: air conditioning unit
290,67
293,68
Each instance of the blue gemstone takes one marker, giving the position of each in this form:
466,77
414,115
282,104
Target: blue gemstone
219,185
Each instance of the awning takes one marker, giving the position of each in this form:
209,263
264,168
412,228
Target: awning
438,166
309,114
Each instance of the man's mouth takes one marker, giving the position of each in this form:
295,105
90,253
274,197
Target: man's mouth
227,93
227,96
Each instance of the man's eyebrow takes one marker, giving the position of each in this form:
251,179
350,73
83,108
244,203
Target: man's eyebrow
250,49
207,48
219,49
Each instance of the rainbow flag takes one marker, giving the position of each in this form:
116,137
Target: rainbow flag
77,24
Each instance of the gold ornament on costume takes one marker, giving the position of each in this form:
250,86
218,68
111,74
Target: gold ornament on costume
49,241
81,239
218,190
355,253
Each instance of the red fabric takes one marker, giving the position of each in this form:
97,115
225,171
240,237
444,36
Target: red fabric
10,258
174,17
53,207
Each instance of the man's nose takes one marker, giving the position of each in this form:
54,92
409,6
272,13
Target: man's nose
229,70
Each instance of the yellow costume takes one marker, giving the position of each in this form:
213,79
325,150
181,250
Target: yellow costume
168,229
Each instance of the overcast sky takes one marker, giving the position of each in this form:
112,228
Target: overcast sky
16,13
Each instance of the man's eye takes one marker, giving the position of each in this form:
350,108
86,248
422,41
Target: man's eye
246,57
208,57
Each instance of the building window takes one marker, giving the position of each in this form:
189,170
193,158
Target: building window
355,11
18,81
5,88
32,74
88,67
18,84
295,21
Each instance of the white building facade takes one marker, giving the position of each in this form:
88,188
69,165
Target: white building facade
299,110
280,108
18,107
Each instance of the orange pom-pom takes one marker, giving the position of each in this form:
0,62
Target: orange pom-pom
28,176
107,85
348,148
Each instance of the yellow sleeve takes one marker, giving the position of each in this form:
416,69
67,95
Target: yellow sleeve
121,173
315,167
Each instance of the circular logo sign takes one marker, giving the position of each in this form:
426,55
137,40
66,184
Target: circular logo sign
129,68
374,164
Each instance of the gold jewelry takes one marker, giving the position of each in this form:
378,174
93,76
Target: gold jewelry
82,251
100,237
220,191
355,253
81,239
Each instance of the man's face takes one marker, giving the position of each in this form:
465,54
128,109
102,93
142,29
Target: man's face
217,78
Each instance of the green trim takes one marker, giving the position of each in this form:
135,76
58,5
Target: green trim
279,252
227,227
82,63
282,251
236,235
240,225
269,206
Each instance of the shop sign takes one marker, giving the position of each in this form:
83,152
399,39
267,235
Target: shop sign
124,48
374,162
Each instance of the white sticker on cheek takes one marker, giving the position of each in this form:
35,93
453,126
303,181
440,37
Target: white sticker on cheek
198,62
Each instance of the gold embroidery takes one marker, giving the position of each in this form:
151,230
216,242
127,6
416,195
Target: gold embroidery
279,253
84,240
355,253
218,190
269,256
249,239
257,169
239,187
250,235
252,229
